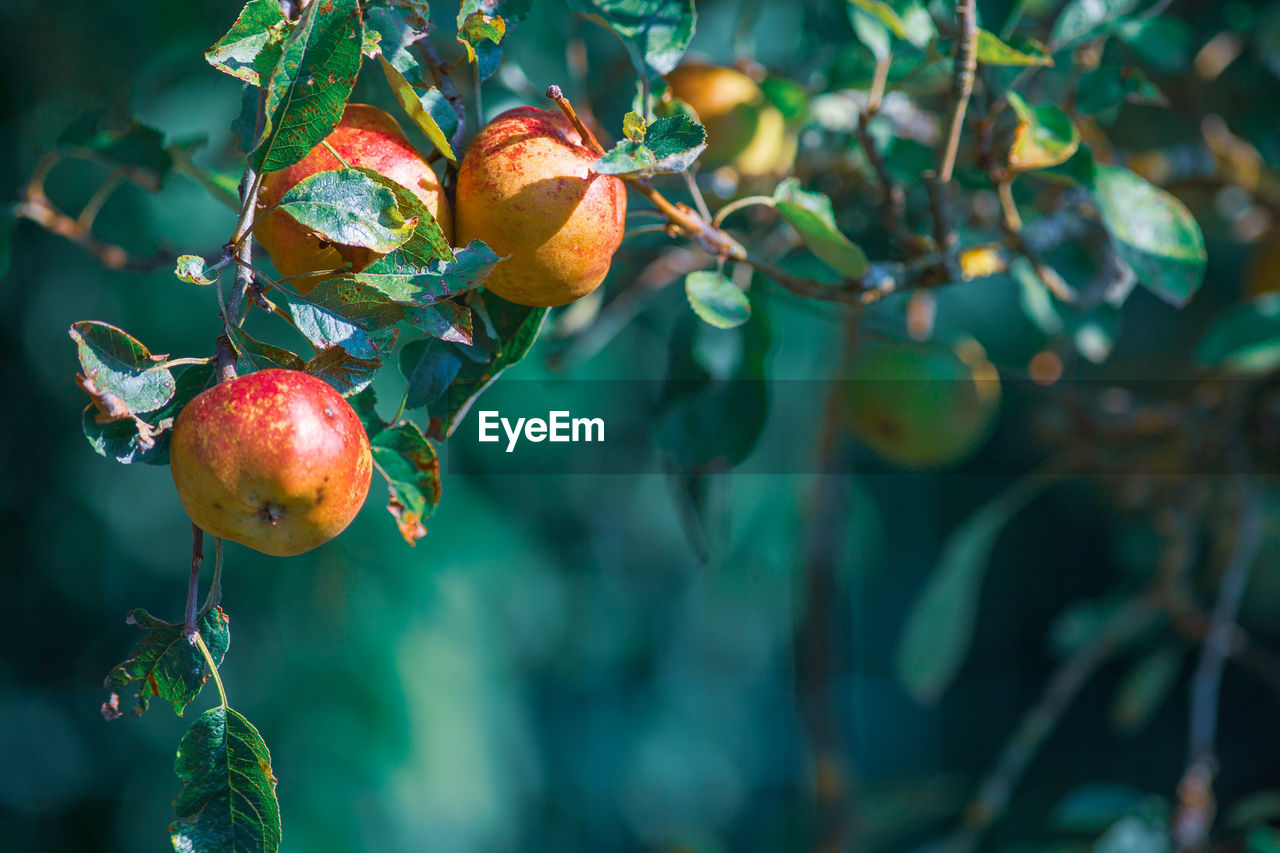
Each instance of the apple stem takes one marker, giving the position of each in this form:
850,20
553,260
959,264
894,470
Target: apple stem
193,584
588,138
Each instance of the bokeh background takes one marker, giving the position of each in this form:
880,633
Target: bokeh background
568,662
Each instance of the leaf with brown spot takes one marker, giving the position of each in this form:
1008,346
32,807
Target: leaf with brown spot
165,665
412,470
311,83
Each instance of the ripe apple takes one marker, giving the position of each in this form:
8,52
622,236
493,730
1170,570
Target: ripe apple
276,460
743,130
922,405
526,189
367,137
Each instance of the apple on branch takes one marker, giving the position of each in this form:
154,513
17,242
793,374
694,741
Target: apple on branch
366,137
276,460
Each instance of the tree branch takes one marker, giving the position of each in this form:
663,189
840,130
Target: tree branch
939,183
1195,792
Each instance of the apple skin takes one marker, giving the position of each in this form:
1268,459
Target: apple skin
743,131
927,405
276,460
367,137
525,188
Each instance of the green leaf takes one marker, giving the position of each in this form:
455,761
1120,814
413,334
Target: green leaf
254,355
1104,90
940,625
191,269
323,329
427,243
789,98
428,368
1164,42
1045,136
347,207
813,217
993,51
409,463
1262,839
117,363
1154,233
252,47
426,112
132,439
400,23
1145,687
670,144
347,372
1082,19
165,665
445,320
656,32
875,21
137,149
365,404
228,799
1245,338
425,281
310,86
357,303
482,25
716,299
872,32
505,336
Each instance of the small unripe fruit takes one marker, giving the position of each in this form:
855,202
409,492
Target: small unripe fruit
922,405
526,189
744,131
366,137
275,460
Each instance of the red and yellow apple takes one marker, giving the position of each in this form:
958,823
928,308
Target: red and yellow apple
525,187
744,131
366,137
276,460
922,405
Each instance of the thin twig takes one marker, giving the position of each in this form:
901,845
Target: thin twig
588,138
1195,792
1039,722
894,197
939,183
41,211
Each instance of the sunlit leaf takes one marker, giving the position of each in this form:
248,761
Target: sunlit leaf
1045,136
993,51
252,47
191,269
117,363
656,32
716,299
309,88
347,207
1082,19
1154,233
813,217
427,110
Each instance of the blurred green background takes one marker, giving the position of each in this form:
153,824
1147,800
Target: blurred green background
556,666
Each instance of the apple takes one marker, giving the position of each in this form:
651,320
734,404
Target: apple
276,460
367,137
525,187
743,130
922,405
